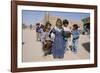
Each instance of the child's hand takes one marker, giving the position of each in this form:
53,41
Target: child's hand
52,35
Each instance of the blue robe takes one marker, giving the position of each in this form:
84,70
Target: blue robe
58,46
75,34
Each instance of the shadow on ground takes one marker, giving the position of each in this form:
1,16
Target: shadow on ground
86,46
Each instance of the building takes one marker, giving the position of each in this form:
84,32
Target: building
53,19
86,25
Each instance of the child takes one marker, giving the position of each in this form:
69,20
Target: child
58,46
45,39
66,33
38,31
75,34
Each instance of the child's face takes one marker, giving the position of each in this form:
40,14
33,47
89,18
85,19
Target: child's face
49,27
59,24
65,25
75,28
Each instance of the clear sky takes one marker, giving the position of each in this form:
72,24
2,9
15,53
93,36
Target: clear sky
32,17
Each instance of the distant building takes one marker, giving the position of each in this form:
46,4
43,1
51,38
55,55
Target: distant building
86,20
53,19
86,25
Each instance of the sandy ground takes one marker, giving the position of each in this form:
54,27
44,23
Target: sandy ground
32,50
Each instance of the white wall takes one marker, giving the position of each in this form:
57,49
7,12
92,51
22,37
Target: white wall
5,27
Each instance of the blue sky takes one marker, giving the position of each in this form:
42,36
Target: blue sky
32,17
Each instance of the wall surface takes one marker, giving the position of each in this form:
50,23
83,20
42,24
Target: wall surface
5,38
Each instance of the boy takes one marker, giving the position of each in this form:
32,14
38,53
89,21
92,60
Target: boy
66,33
75,34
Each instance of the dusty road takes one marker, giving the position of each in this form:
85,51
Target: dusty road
32,49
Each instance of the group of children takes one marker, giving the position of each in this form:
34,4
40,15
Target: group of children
55,40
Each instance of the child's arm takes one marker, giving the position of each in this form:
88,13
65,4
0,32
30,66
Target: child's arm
52,34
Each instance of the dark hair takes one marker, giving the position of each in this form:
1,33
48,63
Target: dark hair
58,20
48,24
87,25
42,26
75,26
65,22
37,24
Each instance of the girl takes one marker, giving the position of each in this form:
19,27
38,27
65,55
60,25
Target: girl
58,46
45,39
66,33
75,34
